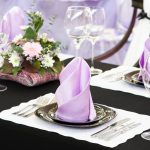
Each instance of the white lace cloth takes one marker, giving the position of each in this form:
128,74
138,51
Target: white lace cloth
80,134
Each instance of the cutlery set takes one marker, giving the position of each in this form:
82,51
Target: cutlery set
29,110
122,130
115,129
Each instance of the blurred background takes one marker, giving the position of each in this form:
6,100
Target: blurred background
118,16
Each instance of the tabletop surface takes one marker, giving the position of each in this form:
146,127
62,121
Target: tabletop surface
19,136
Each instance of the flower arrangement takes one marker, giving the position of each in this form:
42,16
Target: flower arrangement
31,51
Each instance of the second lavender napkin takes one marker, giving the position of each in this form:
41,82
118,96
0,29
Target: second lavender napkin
12,22
144,61
73,95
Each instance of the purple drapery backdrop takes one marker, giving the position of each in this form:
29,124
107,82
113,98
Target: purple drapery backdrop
117,19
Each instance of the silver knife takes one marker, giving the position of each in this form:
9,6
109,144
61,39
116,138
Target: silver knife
112,126
122,131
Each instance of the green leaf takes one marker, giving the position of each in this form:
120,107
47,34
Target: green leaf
30,34
55,45
37,64
35,21
38,25
17,48
42,71
1,69
57,67
7,67
51,71
15,70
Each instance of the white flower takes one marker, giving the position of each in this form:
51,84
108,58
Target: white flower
47,61
15,59
7,51
51,40
4,52
39,14
24,27
44,35
1,61
17,38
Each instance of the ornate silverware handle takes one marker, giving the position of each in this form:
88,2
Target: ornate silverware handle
109,128
122,131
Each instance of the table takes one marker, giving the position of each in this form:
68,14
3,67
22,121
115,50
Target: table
15,136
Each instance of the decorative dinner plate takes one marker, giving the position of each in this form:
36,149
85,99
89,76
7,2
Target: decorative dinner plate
132,78
103,115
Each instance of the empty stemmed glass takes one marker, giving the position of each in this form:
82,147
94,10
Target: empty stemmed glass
77,19
95,31
3,43
146,81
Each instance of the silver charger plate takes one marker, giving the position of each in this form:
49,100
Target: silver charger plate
132,78
104,114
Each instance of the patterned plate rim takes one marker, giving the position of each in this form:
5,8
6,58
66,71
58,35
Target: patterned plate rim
110,114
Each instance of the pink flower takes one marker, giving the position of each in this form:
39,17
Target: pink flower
32,49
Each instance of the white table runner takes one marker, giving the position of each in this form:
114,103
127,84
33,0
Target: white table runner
80,134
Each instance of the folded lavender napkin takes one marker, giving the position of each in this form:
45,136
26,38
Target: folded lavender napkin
12,21
73,95
144,61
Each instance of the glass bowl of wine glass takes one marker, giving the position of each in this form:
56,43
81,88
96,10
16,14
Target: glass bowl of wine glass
76,20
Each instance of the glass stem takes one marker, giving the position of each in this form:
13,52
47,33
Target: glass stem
77,46
92,58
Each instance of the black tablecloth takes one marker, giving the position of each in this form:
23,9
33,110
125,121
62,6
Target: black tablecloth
15,136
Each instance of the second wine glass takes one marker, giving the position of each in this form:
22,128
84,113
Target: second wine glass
76,21
95,31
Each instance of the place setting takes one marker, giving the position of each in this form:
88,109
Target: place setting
128,79
75,108
139,77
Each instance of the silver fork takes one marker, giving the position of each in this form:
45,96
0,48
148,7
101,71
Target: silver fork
31,112
29,107
41,101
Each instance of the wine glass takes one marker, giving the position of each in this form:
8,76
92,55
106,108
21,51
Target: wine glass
77,19
146,81
95,31
3,43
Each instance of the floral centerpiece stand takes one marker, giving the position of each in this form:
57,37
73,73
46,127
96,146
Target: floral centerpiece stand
31,58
